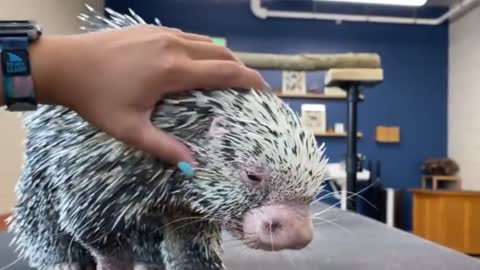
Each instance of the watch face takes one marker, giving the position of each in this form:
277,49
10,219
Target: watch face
15,62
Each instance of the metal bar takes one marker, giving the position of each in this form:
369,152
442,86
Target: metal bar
351,161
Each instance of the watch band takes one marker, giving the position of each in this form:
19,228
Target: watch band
18,84
15,38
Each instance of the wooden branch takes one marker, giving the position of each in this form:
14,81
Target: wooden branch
309,62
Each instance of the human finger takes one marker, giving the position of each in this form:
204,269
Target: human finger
189,36
197,50
221,74
161,144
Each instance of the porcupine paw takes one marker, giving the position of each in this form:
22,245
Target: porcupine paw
143,266
72,266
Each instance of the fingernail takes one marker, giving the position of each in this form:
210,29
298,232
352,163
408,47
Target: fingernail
186,168
266,86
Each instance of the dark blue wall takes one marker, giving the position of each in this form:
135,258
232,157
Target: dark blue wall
413,95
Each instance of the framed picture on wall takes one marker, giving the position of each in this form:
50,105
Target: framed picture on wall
314,117
294,82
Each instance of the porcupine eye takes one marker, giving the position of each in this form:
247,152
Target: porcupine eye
255,174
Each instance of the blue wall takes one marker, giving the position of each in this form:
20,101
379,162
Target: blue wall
413,95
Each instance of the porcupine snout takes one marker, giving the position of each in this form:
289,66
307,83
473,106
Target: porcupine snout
278,226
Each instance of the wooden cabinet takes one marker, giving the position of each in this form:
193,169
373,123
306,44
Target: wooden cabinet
449,218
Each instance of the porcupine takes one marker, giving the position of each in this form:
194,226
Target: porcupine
87,200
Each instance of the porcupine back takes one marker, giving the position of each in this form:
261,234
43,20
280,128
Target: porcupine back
75,174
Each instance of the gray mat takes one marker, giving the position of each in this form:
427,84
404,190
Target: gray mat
353,243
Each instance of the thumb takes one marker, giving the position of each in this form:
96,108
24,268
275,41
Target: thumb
163,145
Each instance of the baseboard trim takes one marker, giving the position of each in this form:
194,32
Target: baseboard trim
3,222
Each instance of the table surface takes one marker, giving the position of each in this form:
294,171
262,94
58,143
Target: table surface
354,242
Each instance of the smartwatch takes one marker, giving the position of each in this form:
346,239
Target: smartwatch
18,86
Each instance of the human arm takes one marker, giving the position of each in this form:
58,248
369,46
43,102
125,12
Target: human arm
2,102
114,78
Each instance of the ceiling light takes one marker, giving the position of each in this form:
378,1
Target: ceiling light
415,3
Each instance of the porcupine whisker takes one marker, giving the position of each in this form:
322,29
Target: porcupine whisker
236,242
11,264
233,245
322,221
250,242
326,212
201,218
363,199
271,234
238,239
286,255
330,194
243,252
183,219
326,196
352,195
349,197
335,224
318,202
283,254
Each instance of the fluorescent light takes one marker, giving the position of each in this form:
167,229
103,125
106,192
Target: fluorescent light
415,3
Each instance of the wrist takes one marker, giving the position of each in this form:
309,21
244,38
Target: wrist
52,63
44,67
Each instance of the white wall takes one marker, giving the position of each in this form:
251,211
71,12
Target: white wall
464,97
56,17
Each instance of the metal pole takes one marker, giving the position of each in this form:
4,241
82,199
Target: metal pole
351,161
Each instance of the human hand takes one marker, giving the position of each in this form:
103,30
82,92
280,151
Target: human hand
113,79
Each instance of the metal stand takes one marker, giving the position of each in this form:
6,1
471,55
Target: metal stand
351,162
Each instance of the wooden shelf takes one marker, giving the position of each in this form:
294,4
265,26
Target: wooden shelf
336,135
313,96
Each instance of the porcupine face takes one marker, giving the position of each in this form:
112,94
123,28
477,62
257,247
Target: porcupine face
259,170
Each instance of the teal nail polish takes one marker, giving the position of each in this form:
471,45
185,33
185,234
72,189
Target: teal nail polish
186,168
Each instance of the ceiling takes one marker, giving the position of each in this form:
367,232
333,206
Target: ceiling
442,2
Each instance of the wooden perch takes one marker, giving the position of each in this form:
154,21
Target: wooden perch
361,76
309,62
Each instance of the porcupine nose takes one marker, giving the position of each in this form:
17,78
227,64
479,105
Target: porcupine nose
278,227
